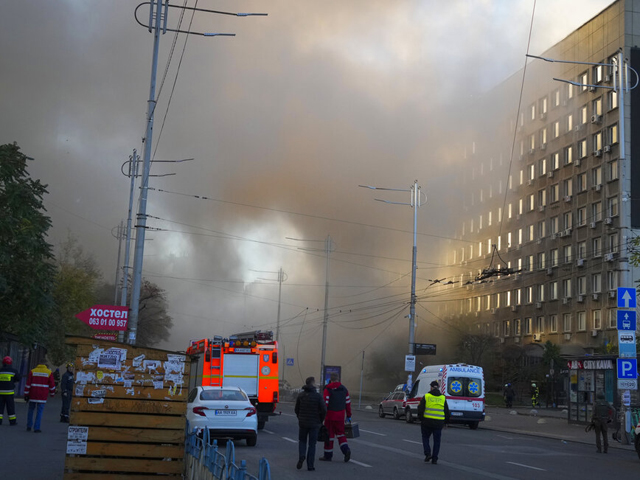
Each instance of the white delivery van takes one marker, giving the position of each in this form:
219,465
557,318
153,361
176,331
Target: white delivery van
461,384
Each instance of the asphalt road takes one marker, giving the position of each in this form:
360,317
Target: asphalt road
387,448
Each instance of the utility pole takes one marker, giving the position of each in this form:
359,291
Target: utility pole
361,376
415,203
158,14
115,286
325,320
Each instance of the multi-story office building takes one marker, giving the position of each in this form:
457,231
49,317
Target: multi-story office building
550,193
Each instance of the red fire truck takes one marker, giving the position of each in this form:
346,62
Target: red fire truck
246,360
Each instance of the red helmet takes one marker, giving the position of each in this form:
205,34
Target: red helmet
7,360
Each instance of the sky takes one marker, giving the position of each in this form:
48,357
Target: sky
284,121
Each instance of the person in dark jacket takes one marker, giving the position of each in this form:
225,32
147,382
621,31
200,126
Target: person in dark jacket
338,402
433,412
310,410
602,413
509,395
66,387
8,377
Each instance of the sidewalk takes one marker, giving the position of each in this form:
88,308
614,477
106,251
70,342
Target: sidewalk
34,456
548,423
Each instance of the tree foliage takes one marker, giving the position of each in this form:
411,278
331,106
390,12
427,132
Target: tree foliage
26,267
75,287
476,349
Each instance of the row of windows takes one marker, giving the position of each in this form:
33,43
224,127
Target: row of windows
545,167
554,290
570,125
529,326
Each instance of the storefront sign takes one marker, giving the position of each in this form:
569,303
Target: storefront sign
590,365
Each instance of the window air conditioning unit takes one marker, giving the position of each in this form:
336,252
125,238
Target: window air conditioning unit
607,149
501,339
543,115
596,296
549,271
567,198
580,298
550,174
567,232
539,241
537,337
594,333
541,208
608,220
577,162
518,216
516,339
493,311
543,146
612,294
567,336
597,187
529,182
592,224
514,308
597,153
477,314
596,118
531,151
539,305
580,262
608,257
565,300
607,78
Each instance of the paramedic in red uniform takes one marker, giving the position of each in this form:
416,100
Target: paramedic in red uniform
40,384
338,402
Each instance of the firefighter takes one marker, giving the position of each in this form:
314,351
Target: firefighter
66,387
535,395
8,376
338,402
39,385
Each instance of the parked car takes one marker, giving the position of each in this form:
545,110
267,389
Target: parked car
226,411
395,405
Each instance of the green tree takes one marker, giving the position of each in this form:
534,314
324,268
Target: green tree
75,287
26,267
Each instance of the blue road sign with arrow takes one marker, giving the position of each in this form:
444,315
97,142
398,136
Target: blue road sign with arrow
626,297
626,320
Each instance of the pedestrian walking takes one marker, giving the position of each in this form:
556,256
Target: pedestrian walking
509,395
601,416
338,403
8,377
311,411
433,412
39,385
66,387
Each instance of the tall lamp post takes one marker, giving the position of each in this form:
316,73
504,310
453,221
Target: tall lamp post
621,69
158,16
415,202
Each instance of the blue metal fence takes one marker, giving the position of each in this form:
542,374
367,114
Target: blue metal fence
204,461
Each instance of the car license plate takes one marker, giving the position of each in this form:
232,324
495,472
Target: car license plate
456,414
226,413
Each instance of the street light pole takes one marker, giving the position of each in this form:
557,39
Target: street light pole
325,320
415,203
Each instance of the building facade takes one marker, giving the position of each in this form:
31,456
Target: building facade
545,194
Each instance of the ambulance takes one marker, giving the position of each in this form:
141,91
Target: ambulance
462,385
247,360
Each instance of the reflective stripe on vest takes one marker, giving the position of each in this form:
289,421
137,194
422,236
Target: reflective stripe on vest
434,406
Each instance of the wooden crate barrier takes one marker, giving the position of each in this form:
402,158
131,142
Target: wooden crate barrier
127,413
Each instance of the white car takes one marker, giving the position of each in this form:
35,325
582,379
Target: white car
226,411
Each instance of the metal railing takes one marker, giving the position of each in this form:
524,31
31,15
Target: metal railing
204,461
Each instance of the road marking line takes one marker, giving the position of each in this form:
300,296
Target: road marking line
360,463
527,466
503,436
287,414
268,431
411,441
374,433
290,440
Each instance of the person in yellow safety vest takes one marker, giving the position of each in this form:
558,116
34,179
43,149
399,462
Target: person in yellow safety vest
8,377
433,412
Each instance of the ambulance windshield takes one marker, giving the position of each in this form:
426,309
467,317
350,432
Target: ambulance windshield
464,387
